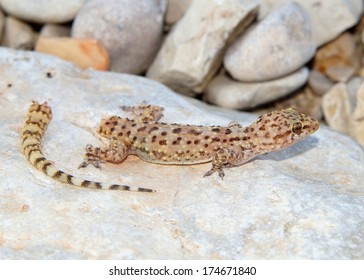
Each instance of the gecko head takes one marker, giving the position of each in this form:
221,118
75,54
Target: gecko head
282,128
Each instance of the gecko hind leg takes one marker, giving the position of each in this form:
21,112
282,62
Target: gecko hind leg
116,152
145,113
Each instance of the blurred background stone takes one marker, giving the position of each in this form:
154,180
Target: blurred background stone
131,31
42,11
277,46
17,34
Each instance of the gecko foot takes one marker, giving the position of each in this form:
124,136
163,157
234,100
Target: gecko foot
91,158
220,172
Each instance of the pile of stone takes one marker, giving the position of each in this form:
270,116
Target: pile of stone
239,54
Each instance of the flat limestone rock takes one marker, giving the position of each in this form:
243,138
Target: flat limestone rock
305,202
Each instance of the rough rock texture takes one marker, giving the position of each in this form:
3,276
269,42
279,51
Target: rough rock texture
329,18
131,31
278,45
358,116
192,51
228,93
17,34
305,202
43,11
344,110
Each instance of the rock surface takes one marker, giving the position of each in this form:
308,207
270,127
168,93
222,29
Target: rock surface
2,23
340,54
192,51
305,202
55,30
131,31
343,107
329,18
278,45
17,34
43,11
84,53
319,83
176,9
229,93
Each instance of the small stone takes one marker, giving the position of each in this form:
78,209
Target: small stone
341,53
176,9
192,51
43,11
17,35
319,83
131,31
329,18
84,53
340,74
228,93
54,30
337,106
278,45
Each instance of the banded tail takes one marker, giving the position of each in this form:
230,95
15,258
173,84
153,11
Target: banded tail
38,117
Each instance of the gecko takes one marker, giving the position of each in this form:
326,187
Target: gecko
37,120
162,143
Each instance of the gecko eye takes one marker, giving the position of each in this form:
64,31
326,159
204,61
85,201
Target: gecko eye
297,128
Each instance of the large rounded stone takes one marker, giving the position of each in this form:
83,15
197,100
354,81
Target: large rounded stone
228,93
275,47
43,11
131,31
329,18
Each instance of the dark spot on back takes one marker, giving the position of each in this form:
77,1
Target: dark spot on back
163,142
228,131
153,128
154,138
164,133
196,142
215,129
143,128
177,130
194,132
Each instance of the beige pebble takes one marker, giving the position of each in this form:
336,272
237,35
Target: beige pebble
84,53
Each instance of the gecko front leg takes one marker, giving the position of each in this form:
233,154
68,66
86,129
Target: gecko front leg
229,157
115,153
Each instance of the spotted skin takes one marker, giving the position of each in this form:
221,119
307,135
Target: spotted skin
179,144
38,117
